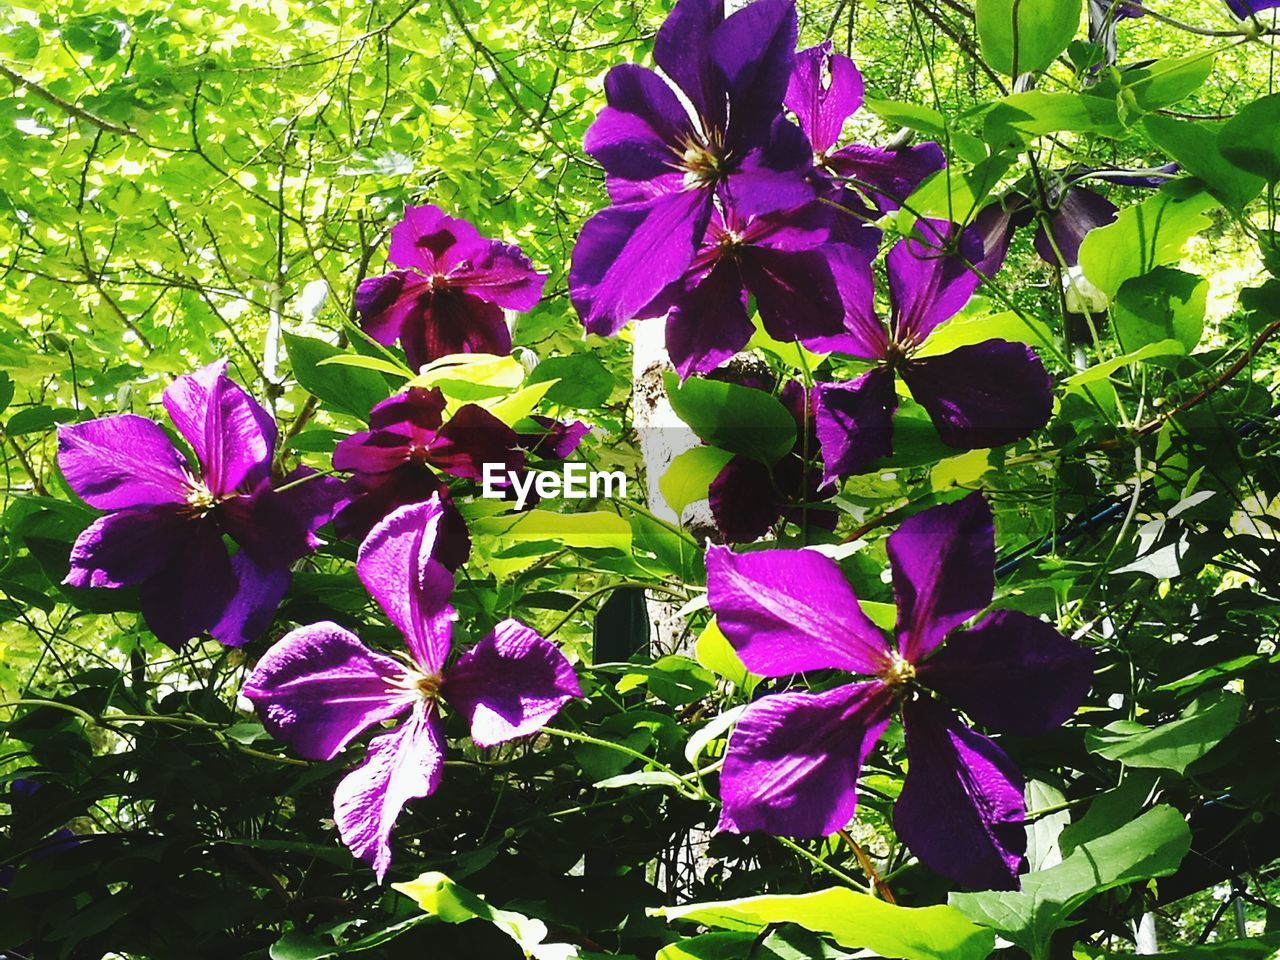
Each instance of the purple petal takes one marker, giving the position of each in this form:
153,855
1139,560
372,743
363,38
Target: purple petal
773,176
709,323
744,500
928,284
259,591
639,135
1079,211
1244,9
961,809
119,462
943,562
788,611
556,439
371,497
983,394
626,255
319,687
397,567
683,51
864,334
471,438
402,765
188,596
824,91
855,422
278,527
232,435
499,273
992,230
386,303
374,451
453,321
417,408
423,237
1012,673
754,50
510,684
887,177
793,760
795,291
123,549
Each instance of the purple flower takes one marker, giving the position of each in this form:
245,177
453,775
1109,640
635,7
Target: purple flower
748,497
979,395
1077,210
450,291
783,260
667,166
794,758
166,518
319,687
825,90
399,459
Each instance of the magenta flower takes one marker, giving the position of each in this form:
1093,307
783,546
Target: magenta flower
794,758
166,518
824,91
319,687
1244,9
667,166
400,458
979,395
450,291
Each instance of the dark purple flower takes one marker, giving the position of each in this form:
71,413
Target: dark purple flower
667,166
450,291
980,395
319,687
825,90
166,518
748,497
794,758
1077,210
783,260
409,444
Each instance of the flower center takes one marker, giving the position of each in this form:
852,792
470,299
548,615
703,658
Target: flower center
895,353
424,686
200,499
899,673
419,455
702,163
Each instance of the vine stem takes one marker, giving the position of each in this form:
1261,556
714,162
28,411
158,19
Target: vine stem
694,791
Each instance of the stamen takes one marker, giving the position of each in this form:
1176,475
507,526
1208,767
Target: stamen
899,672
425,686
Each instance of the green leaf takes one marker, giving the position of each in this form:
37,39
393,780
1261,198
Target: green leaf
1165,304
978,328
689,476
920,118
1251,139
714,651
440,897
1151,846
720,945
584,381
1168,80
852,920
1171,746
348,389
1035,113
735,418
300,945
36,419
6,391
1144,236
1025,36
1195,146
1102,371
1254,948
363,362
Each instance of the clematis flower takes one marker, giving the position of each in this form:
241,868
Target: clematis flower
166,516
399,459
668,166
824,91
450,290
319,687
747,497
794,758
978,395
784,260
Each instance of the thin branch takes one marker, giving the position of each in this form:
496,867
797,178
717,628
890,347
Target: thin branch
66,106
